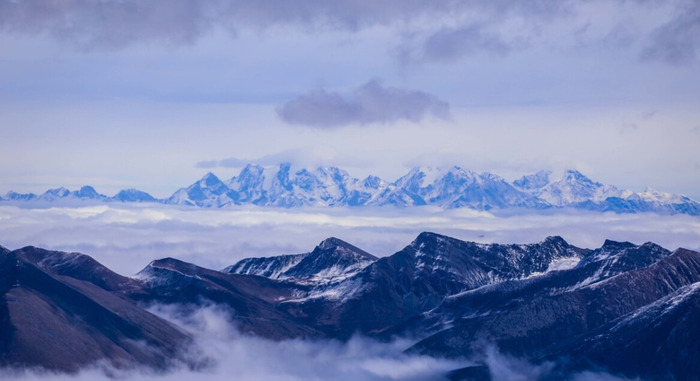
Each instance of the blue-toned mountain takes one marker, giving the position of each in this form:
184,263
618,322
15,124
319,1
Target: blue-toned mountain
447,188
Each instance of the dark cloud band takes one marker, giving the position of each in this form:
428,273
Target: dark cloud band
114,24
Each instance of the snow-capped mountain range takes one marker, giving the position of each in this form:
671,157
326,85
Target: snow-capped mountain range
448,188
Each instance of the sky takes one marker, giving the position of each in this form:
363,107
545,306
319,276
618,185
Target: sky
152,95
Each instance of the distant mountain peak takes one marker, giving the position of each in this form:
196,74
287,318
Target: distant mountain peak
331,243
87,191
616,244
168,263
555,239
133,195
429,236
574,176
533,181
332,260
59,190
209,179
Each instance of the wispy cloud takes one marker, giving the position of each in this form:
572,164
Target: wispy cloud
370,103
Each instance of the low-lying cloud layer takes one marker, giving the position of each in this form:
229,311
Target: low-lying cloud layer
226,353
127,237
370,103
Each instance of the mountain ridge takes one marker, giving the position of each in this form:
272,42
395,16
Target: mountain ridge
448,188
544,302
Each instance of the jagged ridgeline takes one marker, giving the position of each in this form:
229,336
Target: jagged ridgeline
627,309
443,187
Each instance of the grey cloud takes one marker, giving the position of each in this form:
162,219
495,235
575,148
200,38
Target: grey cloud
94,24
453,43
370,103
678,41
91,24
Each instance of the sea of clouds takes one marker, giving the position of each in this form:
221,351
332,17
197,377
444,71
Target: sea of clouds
126,237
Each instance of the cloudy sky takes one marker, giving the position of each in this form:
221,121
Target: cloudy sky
154,94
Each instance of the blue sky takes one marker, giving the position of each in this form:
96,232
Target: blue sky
121,94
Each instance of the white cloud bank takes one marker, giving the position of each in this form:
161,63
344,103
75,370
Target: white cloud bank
127,237
227,354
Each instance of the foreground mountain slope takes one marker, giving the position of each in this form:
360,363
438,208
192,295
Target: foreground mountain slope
53,316
531,318
654,342
249,300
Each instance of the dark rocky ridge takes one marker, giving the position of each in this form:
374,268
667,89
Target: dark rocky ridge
599,309
332,259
